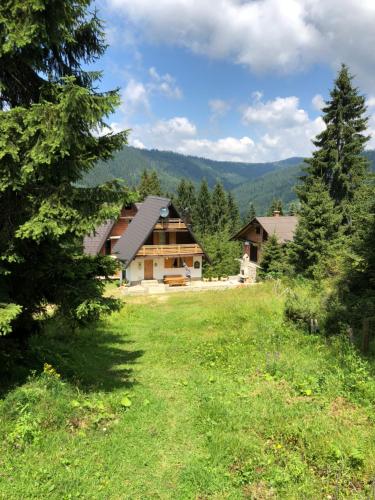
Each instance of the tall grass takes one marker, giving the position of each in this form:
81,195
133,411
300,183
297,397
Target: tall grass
207,395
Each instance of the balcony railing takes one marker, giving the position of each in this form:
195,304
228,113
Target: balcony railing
171,225
162,250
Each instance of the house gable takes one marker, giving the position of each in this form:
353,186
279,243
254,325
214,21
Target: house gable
148,229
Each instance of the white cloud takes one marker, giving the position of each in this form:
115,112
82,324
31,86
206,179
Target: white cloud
218,108
318,102
165,84
265,35
228,148
136,143
135,96
280,112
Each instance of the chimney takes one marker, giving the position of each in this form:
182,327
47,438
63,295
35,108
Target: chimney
276,213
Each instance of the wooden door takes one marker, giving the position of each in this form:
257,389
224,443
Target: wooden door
253,253
149,269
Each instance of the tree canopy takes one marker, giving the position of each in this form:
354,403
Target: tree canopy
51,126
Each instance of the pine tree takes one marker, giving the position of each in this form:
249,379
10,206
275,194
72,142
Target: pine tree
234,218
50,110
293,208
317,228
251,213
338,159
356,286
203,210
219,205
272,260
276,206
186,199
155,185
149,185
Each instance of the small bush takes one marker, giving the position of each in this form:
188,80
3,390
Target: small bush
303,305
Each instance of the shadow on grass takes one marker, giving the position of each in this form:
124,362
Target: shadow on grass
93,359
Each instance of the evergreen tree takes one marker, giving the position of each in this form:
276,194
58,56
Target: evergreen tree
224,254
272,260
219,205
186,200
355,291
155,185
317,228
338,160
149,185
203,210
50,110
276,206
293,208
251,213
234,217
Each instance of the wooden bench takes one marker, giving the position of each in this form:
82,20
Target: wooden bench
175,280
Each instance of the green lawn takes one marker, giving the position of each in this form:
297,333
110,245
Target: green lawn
204,395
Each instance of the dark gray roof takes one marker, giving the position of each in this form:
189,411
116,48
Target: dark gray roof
94,242
140,228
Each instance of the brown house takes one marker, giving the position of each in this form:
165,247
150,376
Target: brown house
151,240
257,231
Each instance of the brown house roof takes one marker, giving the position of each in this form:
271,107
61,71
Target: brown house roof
283,227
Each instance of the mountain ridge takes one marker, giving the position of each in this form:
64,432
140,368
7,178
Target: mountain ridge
258,183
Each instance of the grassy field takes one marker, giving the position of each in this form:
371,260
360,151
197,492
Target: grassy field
204,395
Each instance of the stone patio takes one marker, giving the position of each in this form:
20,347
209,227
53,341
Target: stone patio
195,286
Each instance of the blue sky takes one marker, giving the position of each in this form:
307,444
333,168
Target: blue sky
232,79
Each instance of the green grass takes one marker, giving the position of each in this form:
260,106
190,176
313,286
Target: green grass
204,395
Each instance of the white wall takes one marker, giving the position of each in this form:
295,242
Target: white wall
135,272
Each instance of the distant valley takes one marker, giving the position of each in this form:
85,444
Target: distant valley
255,182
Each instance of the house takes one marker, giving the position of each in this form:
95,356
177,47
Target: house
151,240
256,232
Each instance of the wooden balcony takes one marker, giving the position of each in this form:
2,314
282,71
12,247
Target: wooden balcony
171,225
165,250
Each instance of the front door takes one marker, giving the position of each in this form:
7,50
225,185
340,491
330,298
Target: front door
149,269
253,253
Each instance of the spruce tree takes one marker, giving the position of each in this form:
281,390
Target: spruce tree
149,184
338,160
219,205
50,112
186,200
356,286
155,184
272,259
251,213
317,228
293,208
203,210
276,205
234,218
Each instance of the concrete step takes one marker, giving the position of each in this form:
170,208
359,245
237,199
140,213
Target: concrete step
149,282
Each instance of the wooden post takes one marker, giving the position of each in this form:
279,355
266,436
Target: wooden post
366,335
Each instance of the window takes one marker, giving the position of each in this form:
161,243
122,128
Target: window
257,229
197,264
178,262
107,248
162,238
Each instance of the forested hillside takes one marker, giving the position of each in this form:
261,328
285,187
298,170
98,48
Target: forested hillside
256,182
